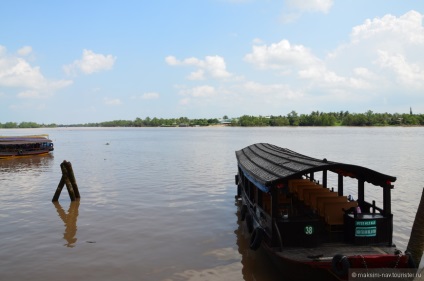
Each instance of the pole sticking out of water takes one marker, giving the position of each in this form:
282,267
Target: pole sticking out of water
416,241
68,179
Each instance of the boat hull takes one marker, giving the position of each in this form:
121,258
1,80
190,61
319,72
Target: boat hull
23,153
308,229
302,270
21,146
300,263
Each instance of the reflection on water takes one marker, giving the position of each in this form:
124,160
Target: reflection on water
240,262
256,265
16,164
70,221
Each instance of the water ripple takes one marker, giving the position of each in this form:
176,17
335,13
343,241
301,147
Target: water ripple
158,204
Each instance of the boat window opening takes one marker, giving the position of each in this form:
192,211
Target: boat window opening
285,204
350,187
264,201
374,193
250,188
333,181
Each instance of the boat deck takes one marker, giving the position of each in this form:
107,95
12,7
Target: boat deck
327,251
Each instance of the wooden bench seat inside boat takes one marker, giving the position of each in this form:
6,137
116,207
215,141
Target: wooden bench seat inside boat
307,194
295,181
293,184
302,189
333,212
314,197
321,201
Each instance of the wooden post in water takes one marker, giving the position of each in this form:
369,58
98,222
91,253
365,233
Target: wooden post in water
71,176
58,189
68,179
416,241
68,183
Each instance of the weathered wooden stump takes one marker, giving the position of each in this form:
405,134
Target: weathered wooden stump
68,179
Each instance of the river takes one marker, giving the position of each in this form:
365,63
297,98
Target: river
157,204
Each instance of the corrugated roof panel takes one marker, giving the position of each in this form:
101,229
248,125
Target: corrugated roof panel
267,163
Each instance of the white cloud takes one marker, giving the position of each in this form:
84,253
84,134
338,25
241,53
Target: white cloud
323,6
296,8
112,101
16,72
389,48
404,34
290,59
281,56
202,94
381,62
90,63
237,1
199,92
28,107
270,91
171,60
216,66
407,27
213,66
257,41
3,50
197,75
407,73
146,96
184,101
24,51
28,94
150,96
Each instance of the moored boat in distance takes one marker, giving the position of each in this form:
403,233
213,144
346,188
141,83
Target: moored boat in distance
16,146
309,229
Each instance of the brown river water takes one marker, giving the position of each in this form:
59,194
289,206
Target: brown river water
157,204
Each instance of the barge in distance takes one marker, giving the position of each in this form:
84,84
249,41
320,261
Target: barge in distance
308,229
16,146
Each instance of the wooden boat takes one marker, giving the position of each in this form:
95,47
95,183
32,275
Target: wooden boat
15,146
308,228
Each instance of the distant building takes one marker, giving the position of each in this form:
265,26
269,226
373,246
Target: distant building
225,121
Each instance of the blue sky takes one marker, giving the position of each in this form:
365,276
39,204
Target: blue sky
73,62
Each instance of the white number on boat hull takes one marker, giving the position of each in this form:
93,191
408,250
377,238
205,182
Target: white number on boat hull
309,230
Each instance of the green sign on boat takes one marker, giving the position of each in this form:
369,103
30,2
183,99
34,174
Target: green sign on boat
365,223
366,228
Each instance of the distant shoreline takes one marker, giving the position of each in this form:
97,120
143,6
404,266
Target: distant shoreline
212,126
293,119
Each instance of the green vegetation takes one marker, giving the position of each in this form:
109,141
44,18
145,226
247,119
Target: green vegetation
152,122
14,125
316,118
341,118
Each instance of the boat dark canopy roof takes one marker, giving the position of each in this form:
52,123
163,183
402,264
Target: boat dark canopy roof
267,164
22,140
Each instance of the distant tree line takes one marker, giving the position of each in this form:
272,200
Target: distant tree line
14,125
315,118
152,122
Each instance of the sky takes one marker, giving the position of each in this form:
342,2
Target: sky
72,62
